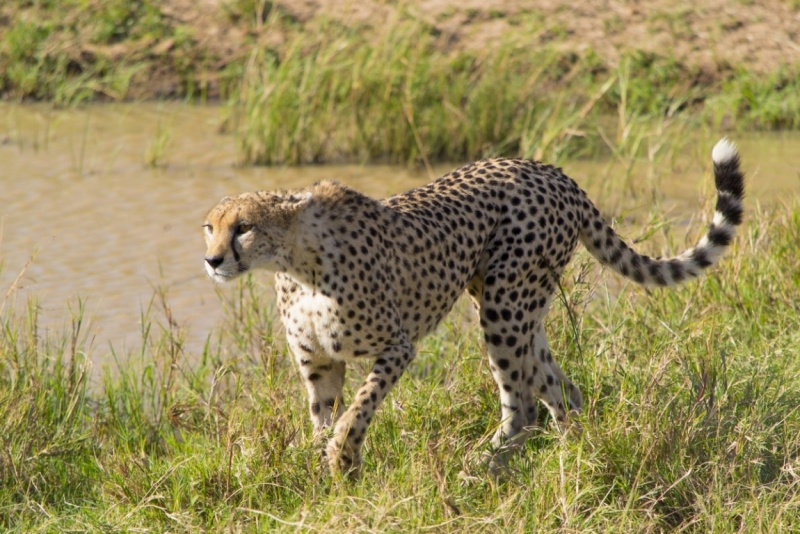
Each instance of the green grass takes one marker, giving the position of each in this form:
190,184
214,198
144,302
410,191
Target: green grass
337,94
74,51
398,92
691,421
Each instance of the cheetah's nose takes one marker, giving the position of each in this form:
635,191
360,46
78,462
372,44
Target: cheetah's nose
215,261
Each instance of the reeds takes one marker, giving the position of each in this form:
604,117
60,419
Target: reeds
342,94
398,93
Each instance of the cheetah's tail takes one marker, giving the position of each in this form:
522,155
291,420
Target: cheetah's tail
609,249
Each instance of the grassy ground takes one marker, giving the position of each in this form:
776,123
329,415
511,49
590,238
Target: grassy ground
691,422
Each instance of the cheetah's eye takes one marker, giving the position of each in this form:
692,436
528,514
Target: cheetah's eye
209,228
243,228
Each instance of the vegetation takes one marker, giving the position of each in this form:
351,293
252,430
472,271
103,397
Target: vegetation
328,92
72,51
691,421
339,93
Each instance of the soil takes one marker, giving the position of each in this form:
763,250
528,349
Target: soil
759,35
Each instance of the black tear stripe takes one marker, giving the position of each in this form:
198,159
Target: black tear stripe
233,248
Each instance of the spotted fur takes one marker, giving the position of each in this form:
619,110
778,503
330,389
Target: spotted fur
365,279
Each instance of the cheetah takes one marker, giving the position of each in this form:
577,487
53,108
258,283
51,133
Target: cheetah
365,279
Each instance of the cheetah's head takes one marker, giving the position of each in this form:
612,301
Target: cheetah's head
251,231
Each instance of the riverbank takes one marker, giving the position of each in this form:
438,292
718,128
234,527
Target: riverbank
422,82
178,48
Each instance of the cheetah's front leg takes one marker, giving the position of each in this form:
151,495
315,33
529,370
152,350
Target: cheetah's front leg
324,379
344,448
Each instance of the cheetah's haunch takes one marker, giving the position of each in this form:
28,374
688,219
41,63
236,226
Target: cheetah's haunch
362,278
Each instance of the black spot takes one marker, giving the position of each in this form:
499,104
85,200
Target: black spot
503,364
700,256
676,270
731,208
729,178
719,236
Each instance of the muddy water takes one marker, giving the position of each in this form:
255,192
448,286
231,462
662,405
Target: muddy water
76,192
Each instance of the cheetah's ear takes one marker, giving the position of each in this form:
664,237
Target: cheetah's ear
296,202
303,197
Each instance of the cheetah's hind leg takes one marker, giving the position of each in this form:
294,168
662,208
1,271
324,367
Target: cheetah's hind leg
562,398
507,346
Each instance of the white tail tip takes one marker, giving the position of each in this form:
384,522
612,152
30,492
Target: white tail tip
724,151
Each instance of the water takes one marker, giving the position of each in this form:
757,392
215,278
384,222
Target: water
76,192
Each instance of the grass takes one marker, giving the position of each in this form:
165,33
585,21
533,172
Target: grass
691,423
156,149
75,51
399,92
333,93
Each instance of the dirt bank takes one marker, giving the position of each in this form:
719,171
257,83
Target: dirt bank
759,35
173,48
